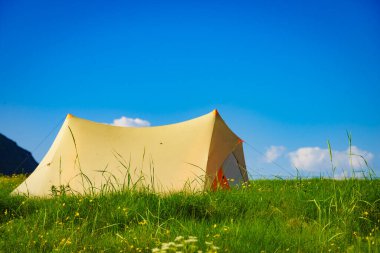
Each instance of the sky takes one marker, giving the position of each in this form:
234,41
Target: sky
287,76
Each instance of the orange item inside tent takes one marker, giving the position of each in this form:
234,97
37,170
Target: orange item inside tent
220,181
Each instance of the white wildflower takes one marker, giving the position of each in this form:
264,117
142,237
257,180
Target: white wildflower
191,240
178,238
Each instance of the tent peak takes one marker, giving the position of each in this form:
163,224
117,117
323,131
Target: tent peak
69,115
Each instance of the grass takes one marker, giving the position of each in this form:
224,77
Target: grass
300,215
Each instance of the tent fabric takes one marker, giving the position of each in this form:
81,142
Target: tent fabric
90,157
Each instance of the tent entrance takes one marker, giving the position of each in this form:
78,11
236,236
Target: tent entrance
228,175
232,170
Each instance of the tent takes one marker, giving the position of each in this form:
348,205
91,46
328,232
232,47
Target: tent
90,157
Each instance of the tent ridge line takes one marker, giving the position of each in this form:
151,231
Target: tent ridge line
208,180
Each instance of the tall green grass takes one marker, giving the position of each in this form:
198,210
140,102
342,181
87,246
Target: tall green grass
301,215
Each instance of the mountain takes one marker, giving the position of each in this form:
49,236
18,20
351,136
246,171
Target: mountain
14,159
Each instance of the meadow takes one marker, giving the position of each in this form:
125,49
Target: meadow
298,215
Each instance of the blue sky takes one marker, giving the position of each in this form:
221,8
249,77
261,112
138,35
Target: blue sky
286,75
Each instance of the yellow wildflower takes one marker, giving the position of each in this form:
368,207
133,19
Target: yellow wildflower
143,222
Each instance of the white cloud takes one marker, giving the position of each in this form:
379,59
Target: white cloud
130,122
315,159
274,152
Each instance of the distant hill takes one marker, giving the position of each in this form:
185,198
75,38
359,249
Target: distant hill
14,159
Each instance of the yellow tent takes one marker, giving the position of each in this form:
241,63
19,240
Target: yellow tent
89,157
